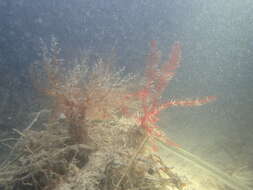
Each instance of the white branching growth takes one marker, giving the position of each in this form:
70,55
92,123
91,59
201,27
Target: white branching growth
98,89
82,90
95,91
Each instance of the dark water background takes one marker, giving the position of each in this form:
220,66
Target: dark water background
217,45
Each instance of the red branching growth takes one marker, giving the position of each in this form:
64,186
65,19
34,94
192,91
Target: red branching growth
157,78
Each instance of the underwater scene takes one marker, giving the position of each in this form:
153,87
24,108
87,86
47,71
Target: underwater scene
126,95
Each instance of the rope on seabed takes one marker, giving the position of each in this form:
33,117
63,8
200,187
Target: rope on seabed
215,172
